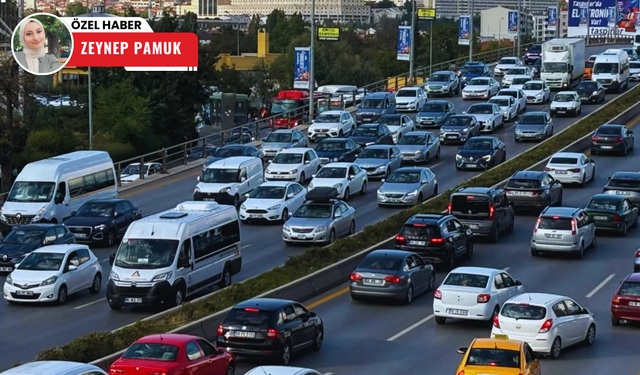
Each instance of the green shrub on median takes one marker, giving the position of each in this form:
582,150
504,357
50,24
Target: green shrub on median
100,344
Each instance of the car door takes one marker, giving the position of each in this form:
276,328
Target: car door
533,364
341,222
411,267
306,166
292,326
126,217
396,158
85,271
73,279
425,187
510,285
500,210
547,182
215,363
361,175
563,322
522,98
626,211
197,363
579,323
308,330
384,135
423,272
298,198
457,231
350,150
501,291
549,122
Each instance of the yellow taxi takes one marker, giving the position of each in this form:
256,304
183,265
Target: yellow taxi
498,357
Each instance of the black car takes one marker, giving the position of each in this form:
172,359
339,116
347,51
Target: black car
626,184
424,235
533,54
102,221
334,150
459,129
240,136
612,138
537,68
372,134
481,153
27,238
487,211
270,328
228,151
590,92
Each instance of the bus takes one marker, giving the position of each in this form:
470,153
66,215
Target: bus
292,105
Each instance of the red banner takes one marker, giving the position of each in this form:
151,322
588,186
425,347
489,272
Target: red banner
134,49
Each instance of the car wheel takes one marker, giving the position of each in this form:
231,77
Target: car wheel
556,348
495,236
593,174
535,253
97,284
352,227
590,337
584,180
226,280
285,215
511,225
451,260
419,198
408,298
113,306
432,281
236,201
438,153
363,188
594,242
469,250
332,236
440,320
319,338
230,370
347,195
625,151
341,134
285,354
303,178
435,191
625,230
580,252
62,295
496,311
615,321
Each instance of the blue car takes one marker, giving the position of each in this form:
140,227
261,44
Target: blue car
473,71
433,114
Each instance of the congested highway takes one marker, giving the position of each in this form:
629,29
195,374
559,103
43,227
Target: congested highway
263,249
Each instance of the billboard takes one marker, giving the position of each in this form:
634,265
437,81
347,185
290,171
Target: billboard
512,22
428,12
329,34
463,30
552,18
404,43
301,68
605,18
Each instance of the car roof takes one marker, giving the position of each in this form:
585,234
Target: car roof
112,200
461,115
531,113
289,131
232,162
277,183
609,196
278,370
443,72
502,97
419,132
48,367
409,88
633,277
533,175
481,104
568,155
537,298
295,150
426,218
389,253
379,147
37,226
61,249
338,165
520,75
560,211
486,343
484,271
508,90
484,138
370,125
411,169
566,92
392,115
474,190
268,304
376,95
234,145
336,112
611,126
169,338
334,140
438,102
626,175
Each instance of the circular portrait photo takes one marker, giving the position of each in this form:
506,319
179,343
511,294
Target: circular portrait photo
42,44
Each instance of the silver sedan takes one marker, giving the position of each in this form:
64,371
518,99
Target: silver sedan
379,160
408,186
419,147
319,222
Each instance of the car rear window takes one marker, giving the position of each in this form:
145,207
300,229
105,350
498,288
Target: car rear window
466,279
421,231
631,184
493,357
630,288
152,351
473,204
603,204
521,183
377,262
248,317
609,130
572,161
523,311
554,223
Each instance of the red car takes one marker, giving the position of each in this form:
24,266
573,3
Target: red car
173,354
625,304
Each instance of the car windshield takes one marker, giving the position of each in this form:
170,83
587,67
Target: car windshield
603,204
374,153
634,65
220,176
287,159
554,67
439,78
366,132
523,311
248,317
534,49
279,137
407,93
624,183
146,253
533,86
564,98
589,64
458,121
609,130
563,160
284,105
330,146
31,192
466,279
25,236
479,82
314,211
507,61
42,262
520,81
411,139
404,178
516,71
605,68
372,104
511,93
379,262
96,209
227,152
433,107
500,102
152,352
478,144
532,120
389,120
268,192
473,70
134,169
421,230
630,288
493,357
521,183
330,118
472,204
588,86
332,172
480,109
554,223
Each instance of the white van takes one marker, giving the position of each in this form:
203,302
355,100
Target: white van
49,190
611,69
227,181
166,257
349,94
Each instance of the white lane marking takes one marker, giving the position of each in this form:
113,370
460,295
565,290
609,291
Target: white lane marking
90,303
602,284
328,373
435,165
104,260
245,246
506,269
408,329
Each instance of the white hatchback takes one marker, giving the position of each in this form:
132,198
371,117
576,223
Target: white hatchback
566,103
272,201
547,322
333,124
293,164
347,178
571,168
473,293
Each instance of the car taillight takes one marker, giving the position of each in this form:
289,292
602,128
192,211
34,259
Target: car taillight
638,254
483,298
449,208
492,212
616,300
546,326
573,227
595,138
157,373
437,240
355,277
461,372
401,239
273,334
393,279
575,170
617,217
547,169
220,330
535,228
496,322
619,139
507,191
117,371
437,294
537,192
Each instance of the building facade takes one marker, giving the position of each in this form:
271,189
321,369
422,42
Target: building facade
494,24
453,9
335,10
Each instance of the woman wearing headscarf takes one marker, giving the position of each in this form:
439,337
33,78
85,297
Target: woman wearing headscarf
33,57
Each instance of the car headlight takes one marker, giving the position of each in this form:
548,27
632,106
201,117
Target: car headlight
419,152
162,276
273,207
335,159
282,149
267,170
2,217
39,215
382,167
465,130
518,131
321,229
9,280
100,227
594,93
243,207
380,194
487,157
286,228
458,157
614,81
337,186
539,95
114,276
293,171
464,78
505,112
333,129
225,190
50,281
369,143
18,259
412,193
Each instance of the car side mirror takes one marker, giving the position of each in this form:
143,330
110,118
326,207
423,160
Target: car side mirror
112,259
464,112
585,311
351,177
290,196
59,199
117,214
462,350
592,161
263,139
73,213
424,182
243,179
72,268
290,215
185,263
518,282
220,351
313,176
337,215
307,161
198,178
516,123
629,131
382,180
312,314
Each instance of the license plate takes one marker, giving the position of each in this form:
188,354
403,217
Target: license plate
636,304
302,237
530,101
6,269
133,300
457,312
452,137
427,122
584,98
521,192
279,177
561,172
622,192
553,236
607,147
321,135
559,111
418,243
604,218
24,293
366,119
407,158
394,200
473,226
373,281
472,165
255,216
248,335
80,235
501,337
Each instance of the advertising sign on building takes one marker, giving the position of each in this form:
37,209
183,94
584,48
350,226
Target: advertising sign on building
428,12
512,25
404,43
329,34
463,30
605,18
301,68
552,18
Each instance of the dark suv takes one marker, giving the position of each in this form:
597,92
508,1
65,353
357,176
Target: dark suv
437,238
267,327
533,189
486,211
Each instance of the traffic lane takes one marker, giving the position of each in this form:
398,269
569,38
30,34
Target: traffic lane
560,275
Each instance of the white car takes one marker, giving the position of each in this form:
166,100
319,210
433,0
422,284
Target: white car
505,64
519,96
489,116
518,81
132,172
281,370
474,293
634,70
507,105
571,168
519,71
480,88
63,101
566,103
547,322
410,99
334,124
272,201
52,273
347,178
537,92
398,125
293,164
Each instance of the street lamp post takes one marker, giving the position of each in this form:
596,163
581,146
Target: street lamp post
500,33
311,62
413,40
519,26
471,31
90,90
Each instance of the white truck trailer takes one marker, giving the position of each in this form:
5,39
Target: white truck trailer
562,62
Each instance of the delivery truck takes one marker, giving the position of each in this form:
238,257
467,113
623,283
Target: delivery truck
562,62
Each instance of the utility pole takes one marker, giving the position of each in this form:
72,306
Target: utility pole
519,26
430,46
91,101
588,21
412,40
558,17
149,15
471,30
311,50
20,10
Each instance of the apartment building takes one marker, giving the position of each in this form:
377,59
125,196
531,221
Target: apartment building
335,10
494,23
453,9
